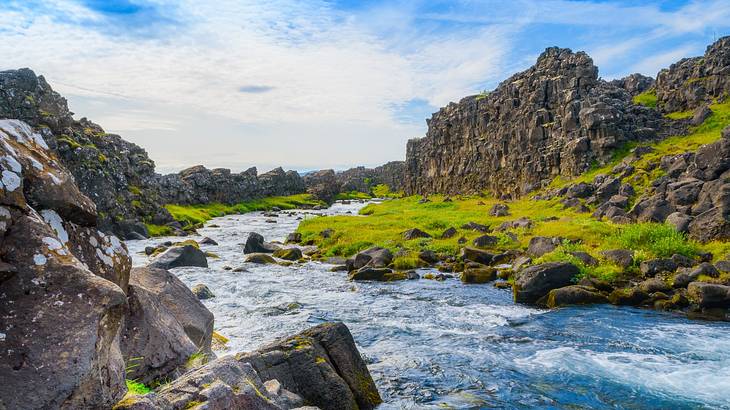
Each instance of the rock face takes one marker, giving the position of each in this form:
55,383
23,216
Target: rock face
322,184
63,280
166,325
555,118
363,179
693,82
320,366
117,175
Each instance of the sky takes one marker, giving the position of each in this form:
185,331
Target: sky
317,84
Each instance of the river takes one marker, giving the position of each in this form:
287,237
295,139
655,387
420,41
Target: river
438,345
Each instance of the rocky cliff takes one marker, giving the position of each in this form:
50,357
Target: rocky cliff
555,118
116,174
363,179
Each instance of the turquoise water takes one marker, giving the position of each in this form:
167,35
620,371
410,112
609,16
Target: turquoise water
447,345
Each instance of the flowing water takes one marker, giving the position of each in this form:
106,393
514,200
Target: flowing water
433,344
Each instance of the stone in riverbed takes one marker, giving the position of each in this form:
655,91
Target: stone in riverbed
202,292
208,241
179,256
536,281
294,237
709,295
375,257
574,295
260,258
255,244
628,297
290,254
481,275
377,274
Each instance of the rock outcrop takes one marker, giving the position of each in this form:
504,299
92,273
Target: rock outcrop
62,283
556,118
363,179
117,175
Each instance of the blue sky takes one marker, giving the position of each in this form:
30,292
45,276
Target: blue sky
315,84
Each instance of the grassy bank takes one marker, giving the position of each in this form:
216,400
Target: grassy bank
385,223
196,215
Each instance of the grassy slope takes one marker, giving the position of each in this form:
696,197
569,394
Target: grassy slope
194,215
385,222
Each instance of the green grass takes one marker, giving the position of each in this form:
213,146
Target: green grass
383,191
352,195
159,230
653,239
647,98
195,215
137,388
680,115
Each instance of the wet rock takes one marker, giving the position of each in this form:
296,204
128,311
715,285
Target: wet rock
685,277
415,233
485,241
499,210
482,275
654,285
255,244
294,237
375,257
259,258
540,245
595,283
476,255
621,257
628,297
179,256
166,324
653,267
428,256
290,254
208,241
377,274
202,292
574,295
473,226
449,233
709,295
534,282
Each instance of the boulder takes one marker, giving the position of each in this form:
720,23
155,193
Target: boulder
585,257
540,245
322,365
534,282
415,233
165,326
499,210
375,257
628,297
620,257
255,244
654,285
709,295
449,233
580,190
713,224
377,274
520,262
595,283
428,256
680,221
294,237
485,241
207,241
260,259
574,295
652,267
476,255
473,226
700,115
179,256
202,292
481,275
684,278
290,254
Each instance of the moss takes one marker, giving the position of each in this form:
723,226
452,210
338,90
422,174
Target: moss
212,255
158,230
137,388
190,242
136,204
647,98
68,141
196,360
367,388
383,191
102,157
352,195
320,360
680,115
135,190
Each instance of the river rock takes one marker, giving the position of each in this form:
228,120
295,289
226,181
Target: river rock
208,241
165,326
202,292
290,254
481,275
259,258
536,281
476,255
709,295
628,296
377,274
654,285
294,237
255,244
375,257
179,256
574,295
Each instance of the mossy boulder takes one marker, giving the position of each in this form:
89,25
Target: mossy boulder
290,254
628,297
377,274
482,275
202,292
260,258
476,255
709,295
574,295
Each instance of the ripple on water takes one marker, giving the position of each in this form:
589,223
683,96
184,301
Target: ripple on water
436,344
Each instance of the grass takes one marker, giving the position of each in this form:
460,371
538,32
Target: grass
196,215
680,115
653,239
352,195
158,230
383,191
137,388
647,98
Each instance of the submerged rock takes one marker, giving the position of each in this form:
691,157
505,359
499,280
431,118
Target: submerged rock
260,258
290,254
377,274
202,292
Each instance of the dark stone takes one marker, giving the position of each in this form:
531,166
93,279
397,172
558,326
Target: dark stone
621,257
653,267
208,241
473,226
290,254
259,258
680,221
428,256
481,275
540,245
476,255
485,241
709,295
628,297
377,274
415,233
202,292
375,257
449,233
255,244
179,256
294,237
685,277
536,281
499,210
574,295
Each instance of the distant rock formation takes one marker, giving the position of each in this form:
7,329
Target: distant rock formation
363,179
555,118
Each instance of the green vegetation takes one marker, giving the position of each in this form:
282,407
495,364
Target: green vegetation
482,95
383,191
653,240
647,98
680,115
136,388
196,215
158,230
351,195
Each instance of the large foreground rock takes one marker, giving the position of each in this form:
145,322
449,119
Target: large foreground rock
536,281
179,256
320,367
165,326
709,295
62,300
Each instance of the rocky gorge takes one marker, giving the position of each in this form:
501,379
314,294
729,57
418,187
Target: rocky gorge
556,190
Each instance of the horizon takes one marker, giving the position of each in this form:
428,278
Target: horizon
317,85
